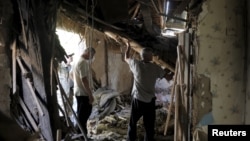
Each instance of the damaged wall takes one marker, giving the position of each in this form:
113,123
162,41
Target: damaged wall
6,13
220,57
120,75
109,66
8,126
33,30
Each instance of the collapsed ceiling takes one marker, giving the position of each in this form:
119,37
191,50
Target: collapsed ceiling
141,21
149,23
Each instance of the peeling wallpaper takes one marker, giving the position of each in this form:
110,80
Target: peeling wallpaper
220,57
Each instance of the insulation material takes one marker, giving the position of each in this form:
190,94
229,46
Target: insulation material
163,91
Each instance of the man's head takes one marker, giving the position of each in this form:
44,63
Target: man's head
88,53
146,54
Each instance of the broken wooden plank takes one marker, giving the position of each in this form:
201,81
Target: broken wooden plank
27,113
58,135
177,118
172,99
30,87
137,47
69,105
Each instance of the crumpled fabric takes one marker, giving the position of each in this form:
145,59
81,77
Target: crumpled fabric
105,102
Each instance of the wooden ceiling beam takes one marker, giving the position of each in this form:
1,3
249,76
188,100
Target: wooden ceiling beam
137,47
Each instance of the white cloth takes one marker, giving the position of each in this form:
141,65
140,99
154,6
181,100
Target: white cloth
80,70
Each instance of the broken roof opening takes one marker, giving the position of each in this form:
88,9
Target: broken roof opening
68,40
72,42
147,23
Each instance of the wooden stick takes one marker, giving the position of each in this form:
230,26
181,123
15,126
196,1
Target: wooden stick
187,73
181,80
69,105
27,113
14,67
155,7
137,47
176,129
58,135
64,105
133,8
172,99
136,11
182,110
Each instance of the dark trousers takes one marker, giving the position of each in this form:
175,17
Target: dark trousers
139,109
83,111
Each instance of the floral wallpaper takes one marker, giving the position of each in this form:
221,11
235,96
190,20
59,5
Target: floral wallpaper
220,52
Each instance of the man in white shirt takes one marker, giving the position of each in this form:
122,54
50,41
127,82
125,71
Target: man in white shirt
82,89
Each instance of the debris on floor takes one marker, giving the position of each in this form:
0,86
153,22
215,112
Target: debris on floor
113,127
110,117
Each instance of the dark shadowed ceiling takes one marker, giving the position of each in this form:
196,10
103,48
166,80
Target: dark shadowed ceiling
150,23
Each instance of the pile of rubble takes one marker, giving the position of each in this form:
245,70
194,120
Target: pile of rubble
113,126
110,117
